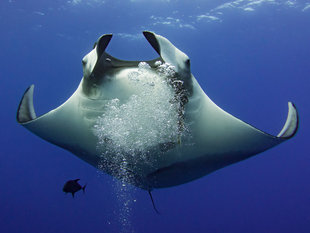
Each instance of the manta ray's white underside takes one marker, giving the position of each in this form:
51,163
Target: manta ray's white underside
149,123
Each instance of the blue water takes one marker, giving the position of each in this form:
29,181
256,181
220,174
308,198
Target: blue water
250,57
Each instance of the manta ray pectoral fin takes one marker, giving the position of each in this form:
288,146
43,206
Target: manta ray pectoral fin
228,134
50,126
25,110
225,140
289,129
291,124
64,126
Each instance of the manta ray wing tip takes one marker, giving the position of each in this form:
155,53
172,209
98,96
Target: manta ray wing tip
291,125
25,111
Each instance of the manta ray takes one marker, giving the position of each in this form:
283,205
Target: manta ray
148,122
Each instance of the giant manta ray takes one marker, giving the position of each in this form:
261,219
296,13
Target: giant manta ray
200,138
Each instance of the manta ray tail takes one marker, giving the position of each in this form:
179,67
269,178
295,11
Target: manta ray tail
153,202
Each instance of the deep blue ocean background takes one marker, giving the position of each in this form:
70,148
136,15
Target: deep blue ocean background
250,57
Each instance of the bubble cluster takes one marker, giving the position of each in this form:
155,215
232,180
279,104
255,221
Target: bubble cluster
146,119
128,130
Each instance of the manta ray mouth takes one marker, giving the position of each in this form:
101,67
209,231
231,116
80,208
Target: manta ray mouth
103,42
98,61
144,101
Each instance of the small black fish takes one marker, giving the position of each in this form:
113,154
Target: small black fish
72,186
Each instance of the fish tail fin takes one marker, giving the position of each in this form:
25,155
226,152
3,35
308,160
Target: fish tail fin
84,188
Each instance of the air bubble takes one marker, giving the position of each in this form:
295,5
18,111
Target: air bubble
150,120
145,119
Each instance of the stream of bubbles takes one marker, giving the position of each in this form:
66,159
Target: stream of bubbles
127,129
